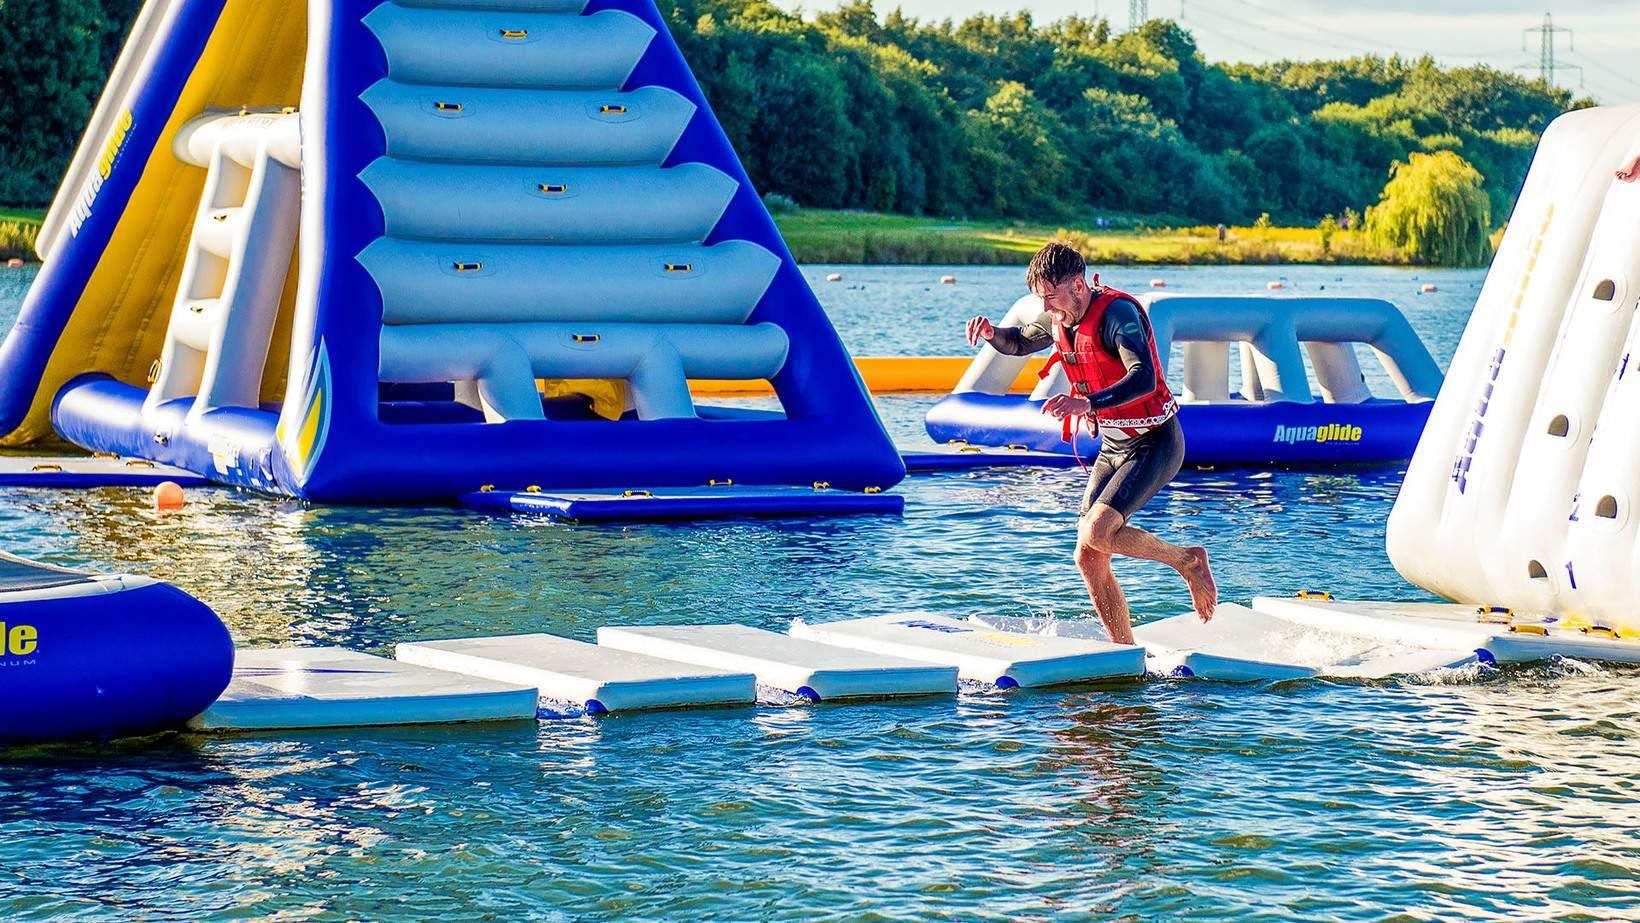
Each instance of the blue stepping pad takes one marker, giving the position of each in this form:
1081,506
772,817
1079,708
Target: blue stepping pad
664,503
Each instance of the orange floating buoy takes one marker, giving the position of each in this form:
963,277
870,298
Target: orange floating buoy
948,280
15,262
1427,287
1273,285
167,495
1158,283
835,277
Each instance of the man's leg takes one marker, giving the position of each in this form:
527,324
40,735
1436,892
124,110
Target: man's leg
1104,532
1106,593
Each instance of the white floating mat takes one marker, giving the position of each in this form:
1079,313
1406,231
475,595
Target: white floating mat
601,678
1504,637
102,471
1242,644
318,687
979,653
816,671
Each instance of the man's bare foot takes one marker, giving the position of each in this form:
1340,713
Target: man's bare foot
1204,593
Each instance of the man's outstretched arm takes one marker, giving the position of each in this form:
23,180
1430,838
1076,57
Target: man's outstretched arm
1013,341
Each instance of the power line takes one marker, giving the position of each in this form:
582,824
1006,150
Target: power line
1356,41
1196,23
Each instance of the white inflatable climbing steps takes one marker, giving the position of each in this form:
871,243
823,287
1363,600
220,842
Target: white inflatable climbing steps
1522,492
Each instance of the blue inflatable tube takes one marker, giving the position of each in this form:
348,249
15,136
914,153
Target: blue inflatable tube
94,655
1279,433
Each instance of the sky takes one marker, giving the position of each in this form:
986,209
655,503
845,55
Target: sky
1602,37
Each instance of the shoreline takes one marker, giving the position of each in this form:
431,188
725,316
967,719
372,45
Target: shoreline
824,237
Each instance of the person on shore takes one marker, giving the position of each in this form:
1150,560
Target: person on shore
1103,340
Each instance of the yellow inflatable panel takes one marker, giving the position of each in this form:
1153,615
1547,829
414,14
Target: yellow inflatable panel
254,58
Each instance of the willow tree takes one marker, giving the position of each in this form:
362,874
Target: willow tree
1435,210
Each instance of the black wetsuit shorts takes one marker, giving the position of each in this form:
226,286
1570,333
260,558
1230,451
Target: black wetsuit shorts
1129,470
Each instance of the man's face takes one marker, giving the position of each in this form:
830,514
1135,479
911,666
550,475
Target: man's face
1065,301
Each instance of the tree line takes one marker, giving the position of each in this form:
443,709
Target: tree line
990,117
996,116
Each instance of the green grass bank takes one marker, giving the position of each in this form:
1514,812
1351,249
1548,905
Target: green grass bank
18,228
820,236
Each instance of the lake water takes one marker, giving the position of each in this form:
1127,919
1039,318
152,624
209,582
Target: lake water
1503,796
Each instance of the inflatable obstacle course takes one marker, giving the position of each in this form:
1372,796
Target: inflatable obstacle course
400,251
1275,417
330,687
818,672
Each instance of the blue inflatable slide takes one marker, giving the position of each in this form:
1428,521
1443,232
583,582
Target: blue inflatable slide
361,251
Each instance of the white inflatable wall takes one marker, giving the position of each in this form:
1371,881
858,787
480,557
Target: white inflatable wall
1521,491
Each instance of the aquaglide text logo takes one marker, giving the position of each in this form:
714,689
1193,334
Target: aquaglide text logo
1332,432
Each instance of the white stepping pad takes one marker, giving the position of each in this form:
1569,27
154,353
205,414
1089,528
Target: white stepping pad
1242,644
979,653
318,687
601,678
1506,638
820,672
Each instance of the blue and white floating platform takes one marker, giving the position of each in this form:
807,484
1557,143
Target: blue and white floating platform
958,454
89,471
687,503
1240,644
601,679
982,654
1494,634
815,671
323,687
1243,644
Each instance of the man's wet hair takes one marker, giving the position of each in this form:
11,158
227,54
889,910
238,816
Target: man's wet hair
1053,264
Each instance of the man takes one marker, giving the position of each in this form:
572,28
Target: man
1103,340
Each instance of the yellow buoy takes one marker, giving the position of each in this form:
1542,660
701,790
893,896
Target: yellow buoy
167,495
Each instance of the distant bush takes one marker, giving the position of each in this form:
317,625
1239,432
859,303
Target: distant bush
1435,210
17,240
777,203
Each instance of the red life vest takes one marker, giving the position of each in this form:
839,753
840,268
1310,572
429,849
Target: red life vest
1091,369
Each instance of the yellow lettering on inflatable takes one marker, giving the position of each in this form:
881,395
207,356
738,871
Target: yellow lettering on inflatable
22,639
